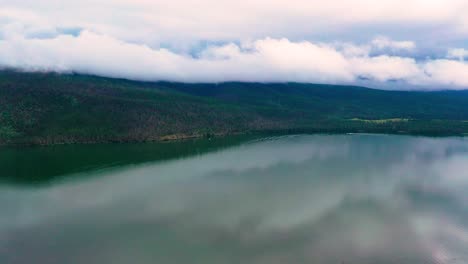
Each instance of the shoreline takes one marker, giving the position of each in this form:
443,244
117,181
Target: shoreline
185,137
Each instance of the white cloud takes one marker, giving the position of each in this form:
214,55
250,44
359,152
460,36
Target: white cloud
447,72
382,42
263,60
159,21
259,40
459,54
385,68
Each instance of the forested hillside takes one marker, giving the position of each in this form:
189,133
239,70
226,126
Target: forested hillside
48,108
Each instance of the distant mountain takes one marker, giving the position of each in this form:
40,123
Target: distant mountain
49,108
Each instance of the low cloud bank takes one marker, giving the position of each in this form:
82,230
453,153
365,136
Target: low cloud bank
262,60
252,41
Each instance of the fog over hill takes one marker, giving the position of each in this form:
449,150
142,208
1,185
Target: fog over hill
339,42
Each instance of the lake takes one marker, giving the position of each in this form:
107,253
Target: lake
325,199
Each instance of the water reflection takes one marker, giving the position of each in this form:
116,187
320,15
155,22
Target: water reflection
297,199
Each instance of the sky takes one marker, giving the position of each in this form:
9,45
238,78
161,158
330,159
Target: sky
388,44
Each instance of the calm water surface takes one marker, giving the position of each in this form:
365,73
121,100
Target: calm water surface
294,199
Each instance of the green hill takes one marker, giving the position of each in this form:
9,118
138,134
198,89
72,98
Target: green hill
48,108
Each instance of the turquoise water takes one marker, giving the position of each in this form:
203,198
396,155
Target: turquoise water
293,199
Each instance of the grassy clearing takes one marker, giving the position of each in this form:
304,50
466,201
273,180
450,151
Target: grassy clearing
382,121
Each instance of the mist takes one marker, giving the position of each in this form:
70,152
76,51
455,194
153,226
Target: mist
265,60
304,41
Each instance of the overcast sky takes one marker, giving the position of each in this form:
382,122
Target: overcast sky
392,44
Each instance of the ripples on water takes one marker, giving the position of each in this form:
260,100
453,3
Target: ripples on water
297,199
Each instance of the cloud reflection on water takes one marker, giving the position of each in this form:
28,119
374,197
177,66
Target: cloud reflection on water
297,199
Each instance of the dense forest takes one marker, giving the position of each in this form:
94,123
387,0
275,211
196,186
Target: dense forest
50,108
